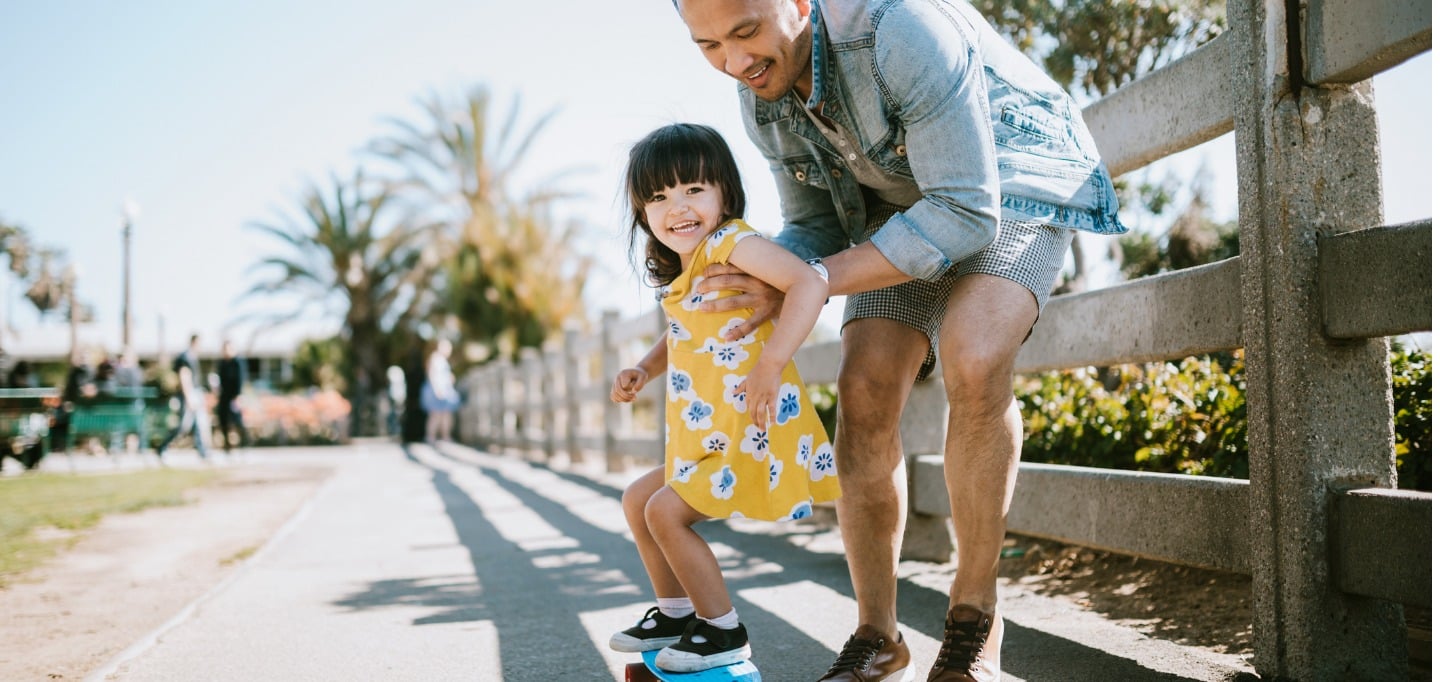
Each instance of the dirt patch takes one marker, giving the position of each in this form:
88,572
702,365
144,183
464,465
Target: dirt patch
1190,606
131,573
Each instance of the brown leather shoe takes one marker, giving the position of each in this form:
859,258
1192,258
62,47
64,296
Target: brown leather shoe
963,655
870,656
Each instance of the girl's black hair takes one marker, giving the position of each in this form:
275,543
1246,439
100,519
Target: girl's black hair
677,154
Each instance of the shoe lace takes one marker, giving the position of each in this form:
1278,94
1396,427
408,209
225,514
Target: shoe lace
964,644
857,654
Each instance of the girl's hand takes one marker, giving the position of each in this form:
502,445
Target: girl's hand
628,383
762,389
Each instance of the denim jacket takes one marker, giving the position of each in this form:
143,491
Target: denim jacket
933,95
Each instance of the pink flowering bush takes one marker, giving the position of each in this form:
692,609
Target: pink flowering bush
315,418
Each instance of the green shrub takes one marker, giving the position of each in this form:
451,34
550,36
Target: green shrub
1186,417
1410,374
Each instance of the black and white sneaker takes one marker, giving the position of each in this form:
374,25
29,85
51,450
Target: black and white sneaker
654,631
704,646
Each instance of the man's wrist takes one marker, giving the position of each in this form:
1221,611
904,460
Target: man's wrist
819,266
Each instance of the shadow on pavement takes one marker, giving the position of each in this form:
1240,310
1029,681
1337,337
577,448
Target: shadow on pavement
536,611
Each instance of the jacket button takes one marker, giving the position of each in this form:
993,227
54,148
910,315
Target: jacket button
835,172
800,175
900,150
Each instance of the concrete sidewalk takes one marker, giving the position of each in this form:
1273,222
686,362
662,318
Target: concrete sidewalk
454,564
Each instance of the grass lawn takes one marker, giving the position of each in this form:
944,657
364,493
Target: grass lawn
31,504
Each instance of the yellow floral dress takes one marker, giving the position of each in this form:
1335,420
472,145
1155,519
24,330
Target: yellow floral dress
718,461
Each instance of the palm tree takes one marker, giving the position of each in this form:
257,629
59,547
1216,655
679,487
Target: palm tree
349,258
512,274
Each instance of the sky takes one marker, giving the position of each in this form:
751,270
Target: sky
213,116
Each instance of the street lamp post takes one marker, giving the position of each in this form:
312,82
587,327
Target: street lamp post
130,211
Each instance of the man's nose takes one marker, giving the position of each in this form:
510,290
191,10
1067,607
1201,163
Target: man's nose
738,62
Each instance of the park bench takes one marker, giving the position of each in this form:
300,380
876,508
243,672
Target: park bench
25,416
115,414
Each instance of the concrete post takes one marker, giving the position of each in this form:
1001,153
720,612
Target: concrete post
530,371
571,366
609,367
1319,409
922,431
502,406
551,361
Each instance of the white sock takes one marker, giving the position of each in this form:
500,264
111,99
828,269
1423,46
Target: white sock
675,607
729,621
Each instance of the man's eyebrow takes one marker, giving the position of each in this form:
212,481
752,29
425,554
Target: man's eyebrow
741,26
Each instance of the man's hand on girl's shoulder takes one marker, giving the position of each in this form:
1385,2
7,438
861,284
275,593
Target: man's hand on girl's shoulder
764,299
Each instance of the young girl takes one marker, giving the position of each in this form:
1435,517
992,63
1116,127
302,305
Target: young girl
741,436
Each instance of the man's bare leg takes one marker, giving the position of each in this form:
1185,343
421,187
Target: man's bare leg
986,321
879,361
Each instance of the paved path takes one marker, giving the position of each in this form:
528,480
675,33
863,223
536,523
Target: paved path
454,564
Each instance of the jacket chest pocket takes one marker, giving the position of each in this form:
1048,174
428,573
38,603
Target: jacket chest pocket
891,153
807,172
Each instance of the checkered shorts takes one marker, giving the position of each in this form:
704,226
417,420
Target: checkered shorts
1029,253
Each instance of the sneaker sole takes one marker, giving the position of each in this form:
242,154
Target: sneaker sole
676,662
906,674
630,645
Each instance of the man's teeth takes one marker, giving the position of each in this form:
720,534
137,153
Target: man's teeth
758,73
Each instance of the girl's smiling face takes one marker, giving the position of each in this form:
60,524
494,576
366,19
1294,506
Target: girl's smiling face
682,216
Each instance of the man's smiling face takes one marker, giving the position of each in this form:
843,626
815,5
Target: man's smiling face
764,44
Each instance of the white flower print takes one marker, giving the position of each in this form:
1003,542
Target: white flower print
684,468
756,443
805,446
697,415
823,463
718,237
722,484
731,399
799,511
695,298
776,468
679,385
732,324
678,332
727,355
717,442
788,405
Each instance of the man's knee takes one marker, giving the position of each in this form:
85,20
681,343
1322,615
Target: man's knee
978,375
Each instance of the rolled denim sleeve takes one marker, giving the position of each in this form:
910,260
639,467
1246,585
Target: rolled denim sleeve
930,69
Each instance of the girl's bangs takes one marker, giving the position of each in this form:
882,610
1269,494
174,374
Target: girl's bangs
667,162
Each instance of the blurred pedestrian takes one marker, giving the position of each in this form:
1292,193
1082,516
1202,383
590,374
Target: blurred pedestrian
233,375
127,371
438,397
191,392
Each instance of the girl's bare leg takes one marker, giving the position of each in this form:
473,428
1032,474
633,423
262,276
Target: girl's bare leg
637,495
687,555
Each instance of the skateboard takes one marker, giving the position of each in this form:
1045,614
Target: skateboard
743,671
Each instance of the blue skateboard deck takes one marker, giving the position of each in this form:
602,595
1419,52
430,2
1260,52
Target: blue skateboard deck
743,671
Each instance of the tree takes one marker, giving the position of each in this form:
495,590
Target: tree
348,257
512,276
1096,46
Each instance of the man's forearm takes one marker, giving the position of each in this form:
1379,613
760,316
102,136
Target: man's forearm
861,268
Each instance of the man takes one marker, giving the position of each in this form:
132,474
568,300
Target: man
192,401
940,175
233,376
